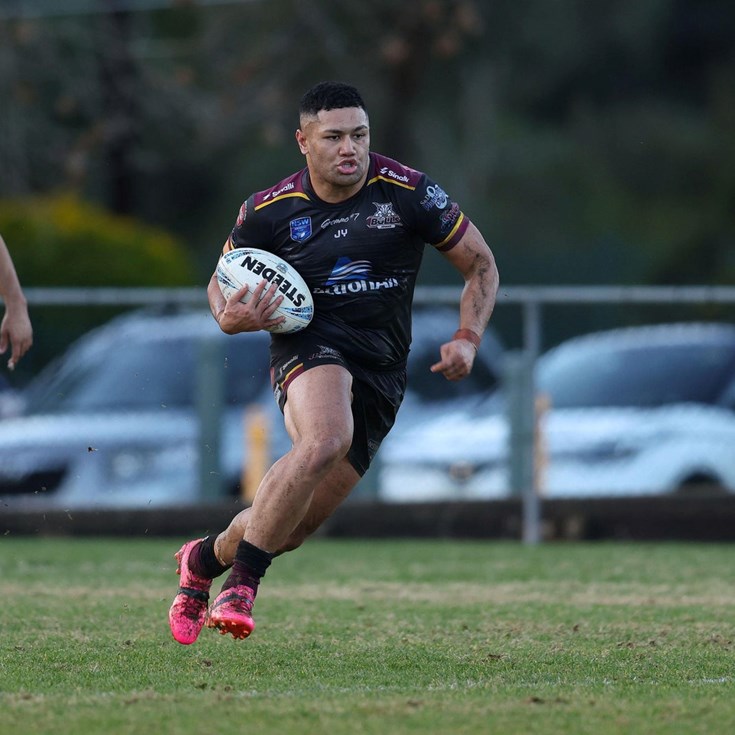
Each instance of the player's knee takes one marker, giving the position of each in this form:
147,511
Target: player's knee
320,453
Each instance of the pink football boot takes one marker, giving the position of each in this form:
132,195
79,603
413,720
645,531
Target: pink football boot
231,612
189,609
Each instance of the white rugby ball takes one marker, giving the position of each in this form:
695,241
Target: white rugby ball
250,266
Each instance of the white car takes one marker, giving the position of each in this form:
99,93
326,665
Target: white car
638,411
114,422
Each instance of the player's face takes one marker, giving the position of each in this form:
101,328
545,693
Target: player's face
336,144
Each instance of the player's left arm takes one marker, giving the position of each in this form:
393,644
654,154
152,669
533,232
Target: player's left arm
474,260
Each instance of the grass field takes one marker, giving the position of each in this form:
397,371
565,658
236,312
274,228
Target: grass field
375,637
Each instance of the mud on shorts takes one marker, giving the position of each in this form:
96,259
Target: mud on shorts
376,395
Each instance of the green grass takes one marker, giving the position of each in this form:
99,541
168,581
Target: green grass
375,637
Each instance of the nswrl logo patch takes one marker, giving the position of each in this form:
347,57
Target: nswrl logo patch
300,229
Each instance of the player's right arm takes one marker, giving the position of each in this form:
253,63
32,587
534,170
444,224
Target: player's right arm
234,316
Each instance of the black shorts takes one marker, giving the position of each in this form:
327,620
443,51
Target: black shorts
376,395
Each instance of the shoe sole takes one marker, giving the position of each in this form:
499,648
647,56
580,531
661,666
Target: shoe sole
238,629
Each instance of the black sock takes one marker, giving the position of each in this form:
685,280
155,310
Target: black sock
249,567
203,561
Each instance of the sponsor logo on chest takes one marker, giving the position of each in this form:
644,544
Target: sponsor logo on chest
354,276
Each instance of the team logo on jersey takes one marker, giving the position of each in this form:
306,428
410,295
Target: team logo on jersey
325,352
300,229
435,197
349,270
384,218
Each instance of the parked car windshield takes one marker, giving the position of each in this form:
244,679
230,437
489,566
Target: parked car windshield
149,376
596,374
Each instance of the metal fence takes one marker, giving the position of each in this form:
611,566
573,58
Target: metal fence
530,299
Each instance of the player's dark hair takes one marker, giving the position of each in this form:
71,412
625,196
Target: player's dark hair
330,96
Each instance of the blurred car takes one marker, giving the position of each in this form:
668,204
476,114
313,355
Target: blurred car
10,401
429,395
114,421
644,410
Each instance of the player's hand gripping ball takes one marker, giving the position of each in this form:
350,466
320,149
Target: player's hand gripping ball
250,266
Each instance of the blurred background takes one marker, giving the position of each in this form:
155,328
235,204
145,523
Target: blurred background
591,143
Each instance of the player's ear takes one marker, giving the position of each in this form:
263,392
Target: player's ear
301,140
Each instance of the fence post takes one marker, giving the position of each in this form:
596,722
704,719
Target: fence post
256,437
210,406
518,377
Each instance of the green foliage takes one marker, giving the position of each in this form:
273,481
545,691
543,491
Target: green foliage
62,241
591,143
358,638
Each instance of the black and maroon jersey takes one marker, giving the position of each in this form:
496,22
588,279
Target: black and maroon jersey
360,257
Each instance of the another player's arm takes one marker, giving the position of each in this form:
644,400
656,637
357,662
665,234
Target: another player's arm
233,316
472,257
15,327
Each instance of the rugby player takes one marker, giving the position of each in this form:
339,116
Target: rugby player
355,225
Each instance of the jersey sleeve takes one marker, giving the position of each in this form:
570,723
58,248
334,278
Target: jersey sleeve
438,219
250,230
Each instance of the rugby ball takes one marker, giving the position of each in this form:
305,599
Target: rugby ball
250,266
